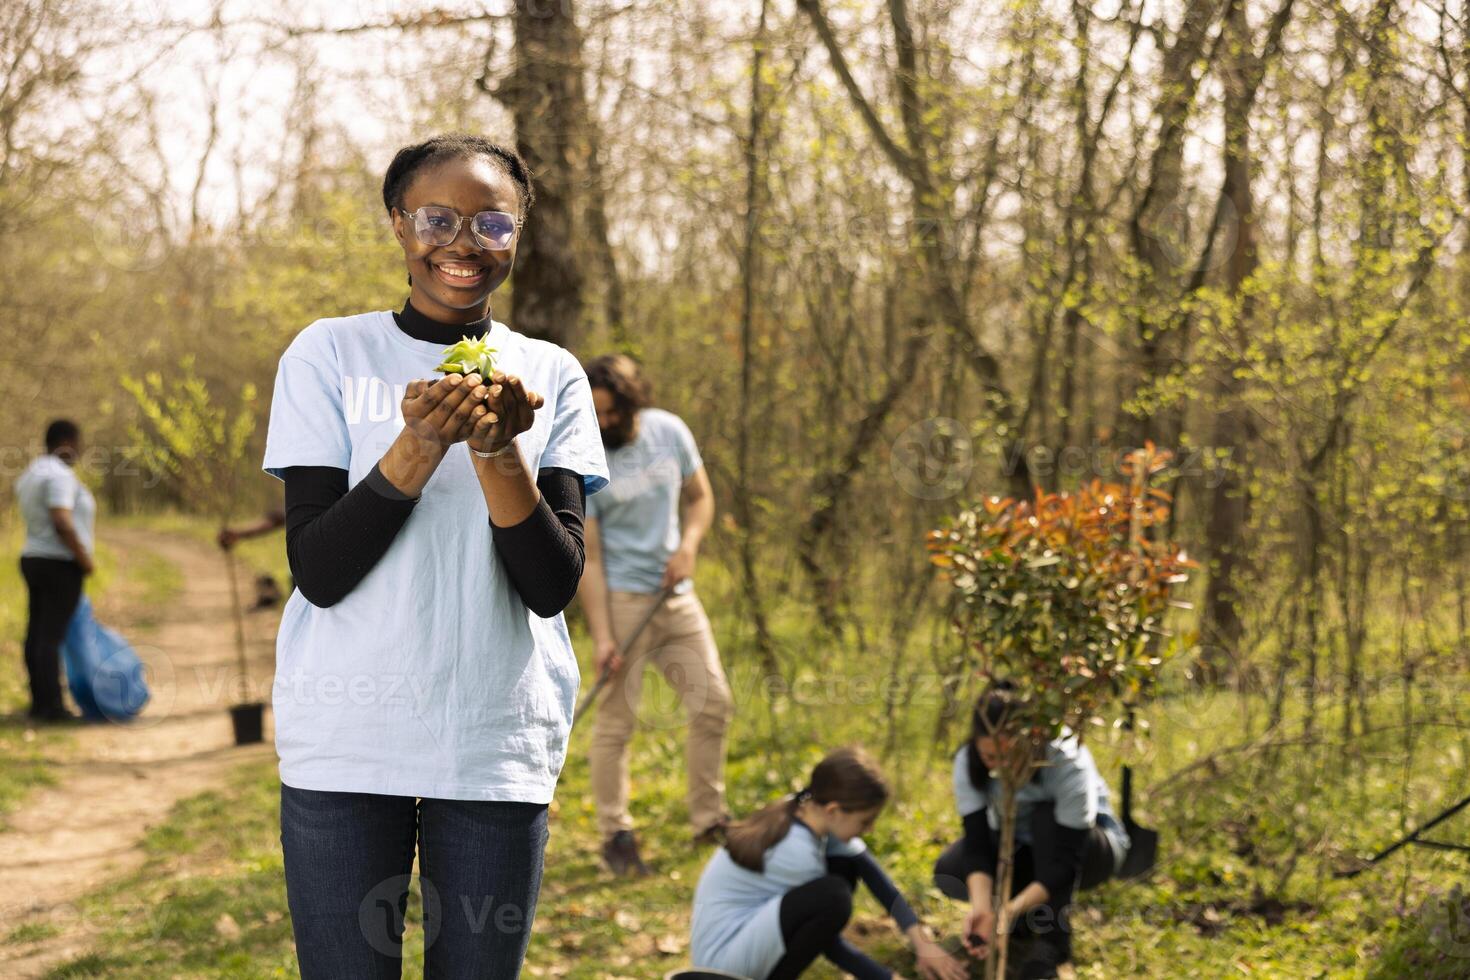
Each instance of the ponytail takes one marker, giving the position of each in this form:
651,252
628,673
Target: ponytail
748,840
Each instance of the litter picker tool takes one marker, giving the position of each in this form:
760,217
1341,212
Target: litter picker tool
606,674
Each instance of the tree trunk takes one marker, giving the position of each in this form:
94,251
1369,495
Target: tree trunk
597,230
1312,503
1005,873
932,218
745,513
1156,232
546,97
1229,513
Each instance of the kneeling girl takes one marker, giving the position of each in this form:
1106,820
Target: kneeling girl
779,893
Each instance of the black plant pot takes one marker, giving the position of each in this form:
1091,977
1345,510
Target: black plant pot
248,721
701,975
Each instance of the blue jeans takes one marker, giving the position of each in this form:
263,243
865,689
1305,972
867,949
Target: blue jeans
349,857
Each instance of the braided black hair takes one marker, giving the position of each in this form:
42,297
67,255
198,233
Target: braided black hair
411,159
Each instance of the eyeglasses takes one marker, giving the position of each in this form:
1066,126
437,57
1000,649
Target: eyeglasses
440,226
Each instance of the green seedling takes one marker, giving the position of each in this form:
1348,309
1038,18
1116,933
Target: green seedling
469,357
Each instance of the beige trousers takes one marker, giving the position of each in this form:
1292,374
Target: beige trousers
679,642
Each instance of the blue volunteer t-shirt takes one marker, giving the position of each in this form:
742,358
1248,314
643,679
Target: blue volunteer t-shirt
1069,780
430,678
638,513
736,921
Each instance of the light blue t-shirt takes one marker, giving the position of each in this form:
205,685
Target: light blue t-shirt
1069,781
736,922
638,513
48,482
430,678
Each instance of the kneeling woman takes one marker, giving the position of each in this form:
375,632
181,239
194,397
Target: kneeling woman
1066,837
779,893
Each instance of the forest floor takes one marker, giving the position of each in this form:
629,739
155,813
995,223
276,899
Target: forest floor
1253,829
100,787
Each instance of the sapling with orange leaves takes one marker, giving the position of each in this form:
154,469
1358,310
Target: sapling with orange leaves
1064,595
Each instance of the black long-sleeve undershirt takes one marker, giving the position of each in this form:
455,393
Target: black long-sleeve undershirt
544,554
1055,867
334,536
865,868
800,905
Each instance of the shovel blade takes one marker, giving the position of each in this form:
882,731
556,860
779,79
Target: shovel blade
1143,852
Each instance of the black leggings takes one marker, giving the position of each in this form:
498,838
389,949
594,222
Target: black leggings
813,916
53,587
959,861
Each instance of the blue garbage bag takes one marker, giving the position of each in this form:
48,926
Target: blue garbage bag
103,672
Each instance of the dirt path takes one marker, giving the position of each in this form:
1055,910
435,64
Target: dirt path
116,781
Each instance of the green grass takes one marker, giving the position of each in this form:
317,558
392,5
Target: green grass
1433,945
1246,884
217,854
265,554
154,582
31,932
23,748
1203,916
27,753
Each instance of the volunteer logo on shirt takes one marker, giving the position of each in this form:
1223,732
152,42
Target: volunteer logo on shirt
371,397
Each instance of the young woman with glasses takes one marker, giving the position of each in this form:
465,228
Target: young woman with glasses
425,680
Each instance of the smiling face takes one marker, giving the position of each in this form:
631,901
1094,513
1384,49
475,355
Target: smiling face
452,283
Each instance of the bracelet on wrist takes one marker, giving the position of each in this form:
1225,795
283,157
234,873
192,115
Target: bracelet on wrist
494,453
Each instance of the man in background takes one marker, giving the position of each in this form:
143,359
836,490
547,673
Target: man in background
59,514
643,535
